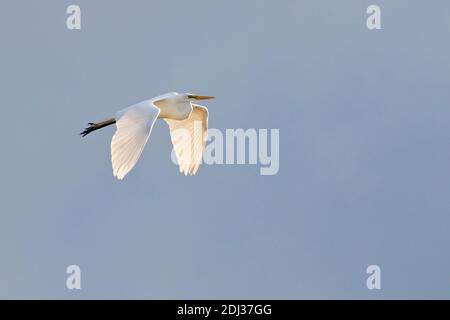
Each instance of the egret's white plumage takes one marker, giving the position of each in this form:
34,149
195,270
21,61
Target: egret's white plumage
188,125
189,150
134,126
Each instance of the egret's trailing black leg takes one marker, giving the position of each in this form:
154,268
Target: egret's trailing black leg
96,126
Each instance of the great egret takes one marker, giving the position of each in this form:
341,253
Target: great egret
188,124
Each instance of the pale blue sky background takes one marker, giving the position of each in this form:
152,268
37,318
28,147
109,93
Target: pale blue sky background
364,167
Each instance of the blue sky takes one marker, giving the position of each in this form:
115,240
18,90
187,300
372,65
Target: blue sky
364,153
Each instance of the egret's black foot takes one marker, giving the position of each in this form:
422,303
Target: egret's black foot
96,126
92,127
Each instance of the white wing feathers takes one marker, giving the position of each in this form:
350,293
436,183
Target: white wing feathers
134,125
189,138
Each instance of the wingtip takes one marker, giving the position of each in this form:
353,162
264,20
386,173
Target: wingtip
118,177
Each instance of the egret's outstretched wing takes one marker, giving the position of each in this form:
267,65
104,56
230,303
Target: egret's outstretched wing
189,138
134,125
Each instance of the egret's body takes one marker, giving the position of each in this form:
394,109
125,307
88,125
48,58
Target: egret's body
188,123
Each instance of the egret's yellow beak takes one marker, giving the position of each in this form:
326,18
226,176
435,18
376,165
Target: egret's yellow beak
201,97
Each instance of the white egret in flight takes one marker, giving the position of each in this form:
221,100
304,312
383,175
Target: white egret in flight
188,124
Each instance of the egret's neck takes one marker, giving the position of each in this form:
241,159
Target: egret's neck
173,109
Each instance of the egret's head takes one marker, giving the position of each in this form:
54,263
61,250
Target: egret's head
194,97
